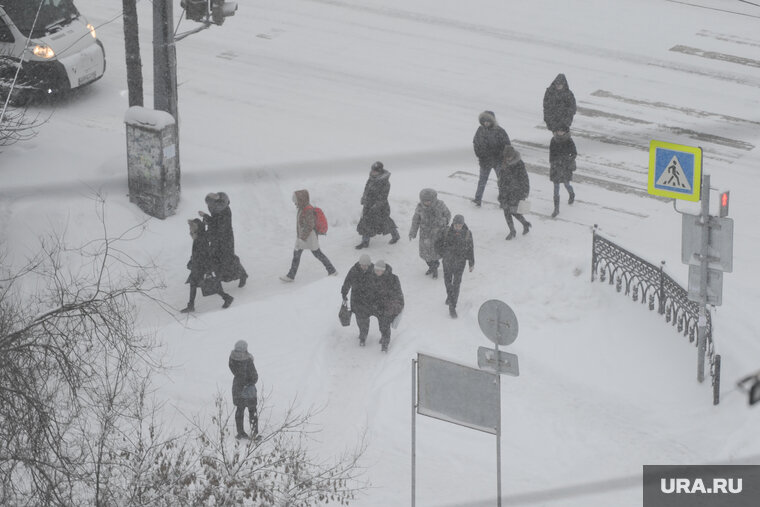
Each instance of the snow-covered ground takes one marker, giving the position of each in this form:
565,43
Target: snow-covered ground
308,93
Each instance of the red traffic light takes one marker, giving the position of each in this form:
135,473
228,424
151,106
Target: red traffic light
723,210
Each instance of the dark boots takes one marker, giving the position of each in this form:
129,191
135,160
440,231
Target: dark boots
188,309
363,244
556,207
394,237
571,199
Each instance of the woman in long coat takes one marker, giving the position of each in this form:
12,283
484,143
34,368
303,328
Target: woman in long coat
222,239
514,186
244,388
376,212
559,105
430,216
200,265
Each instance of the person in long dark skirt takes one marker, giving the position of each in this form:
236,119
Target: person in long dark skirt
222,239
244,389
376,211
201,265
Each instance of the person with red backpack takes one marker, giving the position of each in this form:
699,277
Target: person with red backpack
310,221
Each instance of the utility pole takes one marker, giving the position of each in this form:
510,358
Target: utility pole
164,59
132,49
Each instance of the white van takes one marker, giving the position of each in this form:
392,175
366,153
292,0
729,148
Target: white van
57,47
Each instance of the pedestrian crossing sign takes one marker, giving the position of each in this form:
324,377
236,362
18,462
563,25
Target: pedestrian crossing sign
675,170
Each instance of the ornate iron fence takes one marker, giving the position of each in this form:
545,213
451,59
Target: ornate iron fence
644,281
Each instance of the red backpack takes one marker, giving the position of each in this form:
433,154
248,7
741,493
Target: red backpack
320,220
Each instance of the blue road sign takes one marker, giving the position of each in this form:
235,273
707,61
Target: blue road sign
675,170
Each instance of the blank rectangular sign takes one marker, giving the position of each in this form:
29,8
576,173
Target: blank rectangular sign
458,394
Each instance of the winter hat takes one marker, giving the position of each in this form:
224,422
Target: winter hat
510,153
458,219
240,352
428,194
377,166
380,265
217,201
487,116
364,260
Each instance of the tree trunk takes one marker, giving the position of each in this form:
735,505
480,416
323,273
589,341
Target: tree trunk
132,47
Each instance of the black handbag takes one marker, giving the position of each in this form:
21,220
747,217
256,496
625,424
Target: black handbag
344,315
210,285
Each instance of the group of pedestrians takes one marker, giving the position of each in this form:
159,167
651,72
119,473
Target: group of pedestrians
374,289
494,152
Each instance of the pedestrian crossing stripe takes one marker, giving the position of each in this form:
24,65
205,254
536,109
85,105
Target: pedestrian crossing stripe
675,170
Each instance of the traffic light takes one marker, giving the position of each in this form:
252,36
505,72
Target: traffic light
221,9
196,10
723,209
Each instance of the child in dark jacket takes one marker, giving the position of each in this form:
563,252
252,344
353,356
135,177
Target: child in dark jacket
201,265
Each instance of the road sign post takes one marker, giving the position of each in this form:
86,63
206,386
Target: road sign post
703,262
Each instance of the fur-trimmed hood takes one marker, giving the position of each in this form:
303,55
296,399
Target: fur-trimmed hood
217,202
384,174
488,116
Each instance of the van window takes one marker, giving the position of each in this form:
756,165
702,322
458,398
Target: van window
5,33
53,14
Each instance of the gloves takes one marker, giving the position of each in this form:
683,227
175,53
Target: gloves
411,236
345,299
472,266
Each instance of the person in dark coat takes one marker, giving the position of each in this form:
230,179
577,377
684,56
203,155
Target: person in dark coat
489,141
219,225
559,105
514,186
376,212
456,247
201,264
306,236
244,388
359,280
562,155
430,216
388,300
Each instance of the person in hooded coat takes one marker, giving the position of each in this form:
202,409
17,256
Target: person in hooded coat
201,264
244,388
456,247
562,154
489,141
559,105
430,216
514,186
376,212
388,300
359,280
219,225
306,236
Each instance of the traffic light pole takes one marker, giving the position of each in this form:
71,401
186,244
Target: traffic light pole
164,61
703,260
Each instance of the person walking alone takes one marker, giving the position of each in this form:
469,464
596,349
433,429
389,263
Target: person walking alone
306,236
376,211
456,247
489,141
562,155
514,186
430,216
244,389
